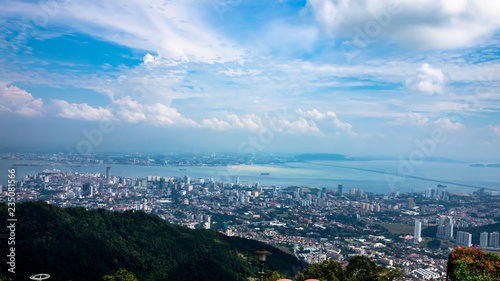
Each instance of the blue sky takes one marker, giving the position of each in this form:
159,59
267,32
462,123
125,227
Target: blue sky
359,77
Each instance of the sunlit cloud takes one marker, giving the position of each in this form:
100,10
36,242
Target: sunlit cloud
18,101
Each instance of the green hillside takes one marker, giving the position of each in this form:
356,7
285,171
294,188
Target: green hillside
78,244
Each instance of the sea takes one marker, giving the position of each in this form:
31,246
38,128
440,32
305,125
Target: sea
379,176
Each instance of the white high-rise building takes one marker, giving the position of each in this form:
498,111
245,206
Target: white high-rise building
445,227
464,238
108,175
417,237
483,241
494,239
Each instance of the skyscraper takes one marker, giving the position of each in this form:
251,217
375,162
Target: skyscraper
464,238
445,227
418,232
339,189
108,175
236,180
86,189
483,241
494,239
410,204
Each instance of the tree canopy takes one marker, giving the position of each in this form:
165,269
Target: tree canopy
359,268
78,244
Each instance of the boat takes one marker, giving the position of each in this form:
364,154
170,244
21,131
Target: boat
264,174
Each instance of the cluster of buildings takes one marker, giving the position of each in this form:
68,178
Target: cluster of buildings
493,241
445,227
313,223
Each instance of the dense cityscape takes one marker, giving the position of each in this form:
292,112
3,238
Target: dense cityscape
411,231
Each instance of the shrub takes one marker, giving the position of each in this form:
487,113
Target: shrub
467,264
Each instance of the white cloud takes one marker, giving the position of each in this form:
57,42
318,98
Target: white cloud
81,111
444,24
248,122
447,124
316,115
410,119
156,114
173,29
15,100
428,81
495,129
148,58
337,122
301,126
239,72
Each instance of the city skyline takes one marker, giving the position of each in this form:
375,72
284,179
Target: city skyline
391,78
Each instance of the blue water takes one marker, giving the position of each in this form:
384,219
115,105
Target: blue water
316,174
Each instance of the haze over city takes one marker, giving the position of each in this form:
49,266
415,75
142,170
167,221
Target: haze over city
361,78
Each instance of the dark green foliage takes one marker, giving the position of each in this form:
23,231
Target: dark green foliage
271,276
120,275
78,244
3,277
434,244
359,268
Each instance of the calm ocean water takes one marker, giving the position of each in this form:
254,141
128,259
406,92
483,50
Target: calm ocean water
319,174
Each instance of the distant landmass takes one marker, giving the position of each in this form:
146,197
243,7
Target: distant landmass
485,165
79,244
341,157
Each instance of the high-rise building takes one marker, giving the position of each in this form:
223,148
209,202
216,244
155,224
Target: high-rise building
494,239
87,190
323,192
187,180
417,237
357,192
445,227
108,175
464,238
236,180
339,189
428,193
410,204
483,241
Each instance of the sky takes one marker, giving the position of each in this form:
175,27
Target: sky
397,78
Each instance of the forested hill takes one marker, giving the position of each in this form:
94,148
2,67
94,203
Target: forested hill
78,244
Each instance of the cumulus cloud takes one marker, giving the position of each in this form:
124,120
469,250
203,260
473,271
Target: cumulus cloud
81,111
301,126
444,24
157,114
410,119
429,80
329,115
18,101
148,58
231,121
447,124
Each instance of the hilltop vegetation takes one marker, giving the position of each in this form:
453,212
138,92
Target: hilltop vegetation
465,264
78,244
358,268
